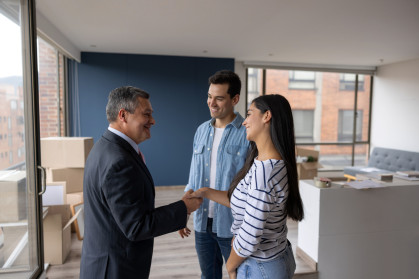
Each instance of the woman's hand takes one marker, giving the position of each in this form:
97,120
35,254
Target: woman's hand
200,193
232,273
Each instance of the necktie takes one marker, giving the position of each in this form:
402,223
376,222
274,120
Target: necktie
141,155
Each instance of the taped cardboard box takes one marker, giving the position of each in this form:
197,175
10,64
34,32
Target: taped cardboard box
65,152
57,234
75,198
13,200
308,170
72,176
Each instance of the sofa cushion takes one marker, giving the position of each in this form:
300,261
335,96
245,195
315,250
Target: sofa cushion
387,160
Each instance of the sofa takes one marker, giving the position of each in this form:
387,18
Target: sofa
386,160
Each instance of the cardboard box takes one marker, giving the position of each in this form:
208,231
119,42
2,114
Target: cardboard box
72,176
13,200
57,234
75,198
65,152
307,170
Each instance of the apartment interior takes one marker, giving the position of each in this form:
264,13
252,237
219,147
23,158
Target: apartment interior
170,48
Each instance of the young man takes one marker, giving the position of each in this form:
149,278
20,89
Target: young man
219,151
120,218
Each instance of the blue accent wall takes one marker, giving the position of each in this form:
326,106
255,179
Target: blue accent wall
178,88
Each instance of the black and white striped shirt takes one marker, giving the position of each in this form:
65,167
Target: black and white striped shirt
258,205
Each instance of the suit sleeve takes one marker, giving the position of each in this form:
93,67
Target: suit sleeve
128,194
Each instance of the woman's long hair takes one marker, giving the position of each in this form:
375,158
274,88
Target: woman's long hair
282,135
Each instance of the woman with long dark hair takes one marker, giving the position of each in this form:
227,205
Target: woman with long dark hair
263,194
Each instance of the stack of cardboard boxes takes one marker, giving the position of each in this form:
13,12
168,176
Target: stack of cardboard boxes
64,158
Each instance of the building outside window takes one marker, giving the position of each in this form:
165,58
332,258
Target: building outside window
346,125
303,125
347,82
301,80
323,115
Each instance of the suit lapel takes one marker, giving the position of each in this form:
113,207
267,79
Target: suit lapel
128,148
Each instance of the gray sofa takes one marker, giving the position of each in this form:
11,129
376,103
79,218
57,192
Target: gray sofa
387,160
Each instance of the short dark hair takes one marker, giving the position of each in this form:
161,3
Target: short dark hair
229,77
125,97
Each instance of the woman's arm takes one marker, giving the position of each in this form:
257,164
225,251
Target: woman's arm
234,261
212,194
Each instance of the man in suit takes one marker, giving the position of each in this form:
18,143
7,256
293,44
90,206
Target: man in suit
120,218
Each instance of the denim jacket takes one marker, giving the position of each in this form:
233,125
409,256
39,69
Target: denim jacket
231,155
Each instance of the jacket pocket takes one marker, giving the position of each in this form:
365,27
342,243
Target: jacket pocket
198,149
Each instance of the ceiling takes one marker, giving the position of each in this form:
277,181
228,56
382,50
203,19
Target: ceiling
325,32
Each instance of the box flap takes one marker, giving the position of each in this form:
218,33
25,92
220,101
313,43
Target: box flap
73,218
311,166
307,152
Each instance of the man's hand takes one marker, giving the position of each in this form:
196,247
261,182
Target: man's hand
184,232
191,203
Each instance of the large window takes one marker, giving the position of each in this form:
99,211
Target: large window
324,105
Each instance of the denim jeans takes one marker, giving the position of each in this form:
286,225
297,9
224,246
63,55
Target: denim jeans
281,267
211,250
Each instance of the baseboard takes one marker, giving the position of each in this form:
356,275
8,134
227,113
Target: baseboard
306,258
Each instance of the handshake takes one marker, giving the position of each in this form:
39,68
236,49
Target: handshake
192,201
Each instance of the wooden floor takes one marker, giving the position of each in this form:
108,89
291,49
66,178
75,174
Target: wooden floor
173,256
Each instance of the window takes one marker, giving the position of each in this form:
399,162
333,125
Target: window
323,114
347,82
51,87
301,80
253,84
346,125
303,125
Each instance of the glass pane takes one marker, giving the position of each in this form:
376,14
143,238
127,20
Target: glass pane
18,231
363,106
254,84
361,154
51,90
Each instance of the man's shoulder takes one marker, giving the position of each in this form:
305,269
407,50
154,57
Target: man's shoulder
204,126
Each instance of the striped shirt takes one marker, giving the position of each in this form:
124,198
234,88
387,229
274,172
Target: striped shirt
258,205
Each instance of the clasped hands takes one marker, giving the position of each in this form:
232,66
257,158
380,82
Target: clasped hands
193,201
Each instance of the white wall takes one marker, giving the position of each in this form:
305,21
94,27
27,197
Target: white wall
395,110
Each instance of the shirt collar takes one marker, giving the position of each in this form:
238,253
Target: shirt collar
237,121
125,137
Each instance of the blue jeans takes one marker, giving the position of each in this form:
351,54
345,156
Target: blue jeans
211,250
281,267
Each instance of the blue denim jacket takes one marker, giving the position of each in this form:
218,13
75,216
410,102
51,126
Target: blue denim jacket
231,155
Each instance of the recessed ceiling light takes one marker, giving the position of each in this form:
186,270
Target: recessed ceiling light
270,54
92,45
205,51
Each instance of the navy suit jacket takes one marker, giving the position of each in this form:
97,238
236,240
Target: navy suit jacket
120,218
